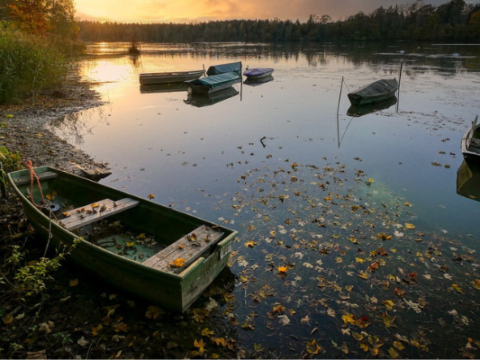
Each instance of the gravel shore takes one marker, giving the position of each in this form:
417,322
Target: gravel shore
23,127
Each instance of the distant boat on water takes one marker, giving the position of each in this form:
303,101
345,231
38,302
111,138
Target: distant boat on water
375,92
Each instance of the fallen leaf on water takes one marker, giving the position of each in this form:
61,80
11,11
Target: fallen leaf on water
250,244
200,345
282,269
312,347
409,226
73,282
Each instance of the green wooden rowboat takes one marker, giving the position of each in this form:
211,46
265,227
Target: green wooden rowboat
148,249
375,92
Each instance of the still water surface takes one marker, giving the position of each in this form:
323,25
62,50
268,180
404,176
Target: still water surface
311,188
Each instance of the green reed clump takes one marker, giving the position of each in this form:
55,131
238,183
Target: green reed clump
28,64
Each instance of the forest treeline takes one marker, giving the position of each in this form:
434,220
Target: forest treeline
455,20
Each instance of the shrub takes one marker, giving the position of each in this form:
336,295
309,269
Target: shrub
28,64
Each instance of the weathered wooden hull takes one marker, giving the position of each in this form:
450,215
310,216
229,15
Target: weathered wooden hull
375,92
470,143
176,291
169,77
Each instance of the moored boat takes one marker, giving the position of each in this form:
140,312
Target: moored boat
214,83
235,67
470,143
377,91
258,73
169,77
161,254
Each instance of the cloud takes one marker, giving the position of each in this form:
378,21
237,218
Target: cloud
205,10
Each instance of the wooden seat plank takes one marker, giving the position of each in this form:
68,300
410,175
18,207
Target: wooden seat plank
87,214
185,248
41,176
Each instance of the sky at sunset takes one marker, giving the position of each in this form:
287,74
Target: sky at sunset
185,11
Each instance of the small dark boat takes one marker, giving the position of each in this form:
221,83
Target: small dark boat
169,77
235,67
377,91
258,73
471,142
153,251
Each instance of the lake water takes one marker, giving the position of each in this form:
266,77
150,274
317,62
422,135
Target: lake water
380,249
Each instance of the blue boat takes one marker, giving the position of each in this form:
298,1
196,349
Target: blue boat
219,77
258,73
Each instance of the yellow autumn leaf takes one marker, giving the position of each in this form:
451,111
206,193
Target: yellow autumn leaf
312,347
151,196
357,336
273,233
49,196
338,260
200,345
388,304
95,205
408,204
409,226
66,214
476,284
207,332
457,288
129,244
73,282
363,274
359,260
388,320
96,329
219,341
282,269
363,346
142,236
7,319
258,347
349,319
393,353
398,345
278,309
153,312
250,244
178,262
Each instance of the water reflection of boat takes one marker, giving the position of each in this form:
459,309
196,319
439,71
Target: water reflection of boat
471,141
358,110
170,77
377,91
260,81
201,100
163,88
468,180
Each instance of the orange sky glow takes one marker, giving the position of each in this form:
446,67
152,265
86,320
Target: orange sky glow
186,11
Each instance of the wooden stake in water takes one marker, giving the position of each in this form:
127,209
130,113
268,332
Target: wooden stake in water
338,109
399,82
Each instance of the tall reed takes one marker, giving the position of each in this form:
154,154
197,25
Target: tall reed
28,64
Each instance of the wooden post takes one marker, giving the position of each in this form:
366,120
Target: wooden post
399,82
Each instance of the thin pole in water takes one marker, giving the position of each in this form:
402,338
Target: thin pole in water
338,110
399,82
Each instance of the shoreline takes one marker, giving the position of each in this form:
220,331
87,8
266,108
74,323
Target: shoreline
23,128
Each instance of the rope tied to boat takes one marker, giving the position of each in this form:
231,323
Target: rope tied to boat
34,176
